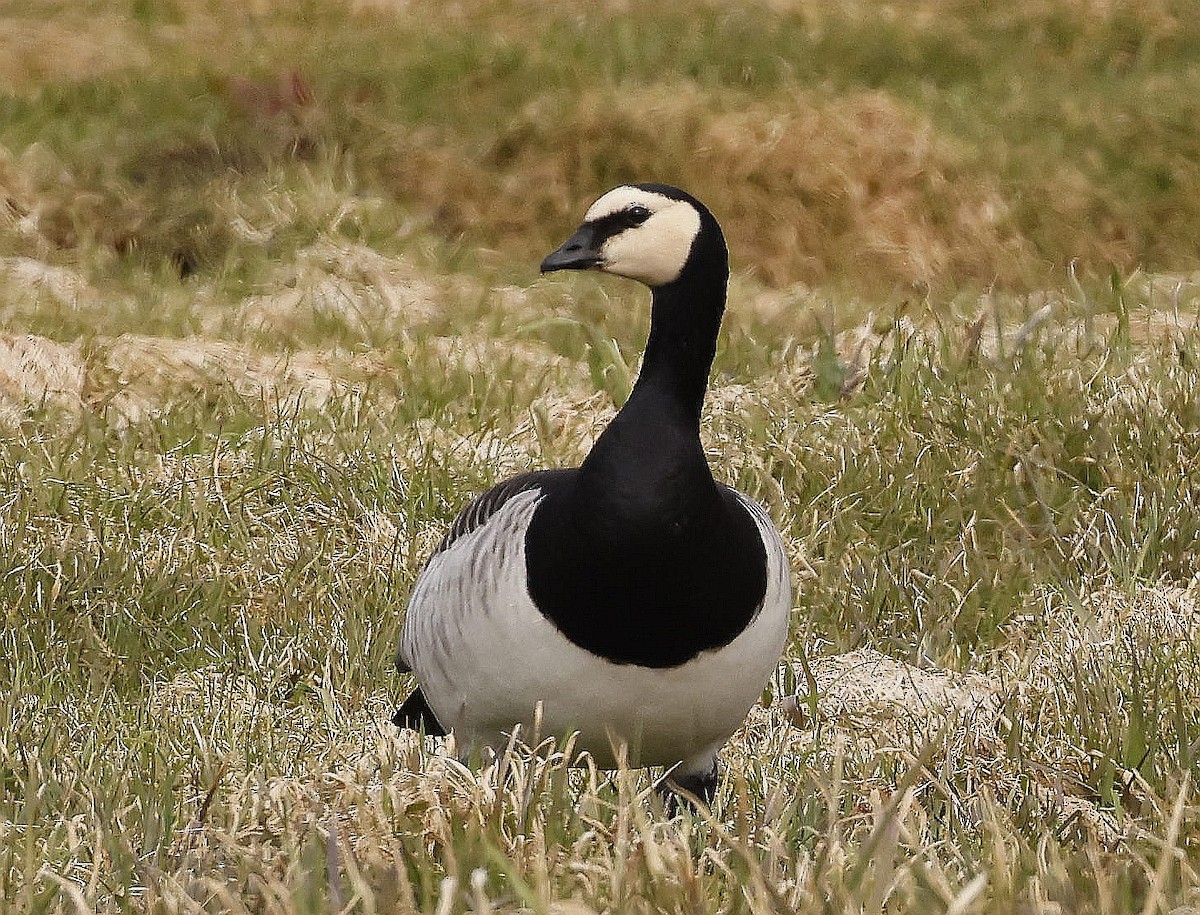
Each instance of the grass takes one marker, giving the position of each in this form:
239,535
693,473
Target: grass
959,144
270,315
202,607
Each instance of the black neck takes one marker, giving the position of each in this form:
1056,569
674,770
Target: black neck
639,556
648,467
685,319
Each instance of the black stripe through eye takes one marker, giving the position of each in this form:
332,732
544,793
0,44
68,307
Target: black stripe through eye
637,214
607,226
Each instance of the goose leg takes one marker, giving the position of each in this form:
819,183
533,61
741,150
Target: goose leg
691,781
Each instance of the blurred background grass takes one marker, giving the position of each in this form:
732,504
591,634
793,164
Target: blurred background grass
923,147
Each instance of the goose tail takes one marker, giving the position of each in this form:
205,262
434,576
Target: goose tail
416,715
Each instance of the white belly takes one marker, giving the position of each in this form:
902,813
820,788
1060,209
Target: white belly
486,657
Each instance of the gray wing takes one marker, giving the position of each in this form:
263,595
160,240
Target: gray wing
477,512
480,509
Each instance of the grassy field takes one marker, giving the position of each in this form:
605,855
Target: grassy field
270,314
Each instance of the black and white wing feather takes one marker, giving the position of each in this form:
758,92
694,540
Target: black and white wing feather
415,712
477,512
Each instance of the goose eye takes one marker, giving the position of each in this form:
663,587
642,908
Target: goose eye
637,213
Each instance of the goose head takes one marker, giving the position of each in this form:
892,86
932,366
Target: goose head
646,232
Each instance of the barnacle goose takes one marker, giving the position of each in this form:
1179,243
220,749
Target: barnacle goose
634,598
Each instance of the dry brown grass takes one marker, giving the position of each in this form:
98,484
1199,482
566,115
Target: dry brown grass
133,376
65,46
871,188
808,187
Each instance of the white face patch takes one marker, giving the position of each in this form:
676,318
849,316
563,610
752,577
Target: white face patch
655,251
